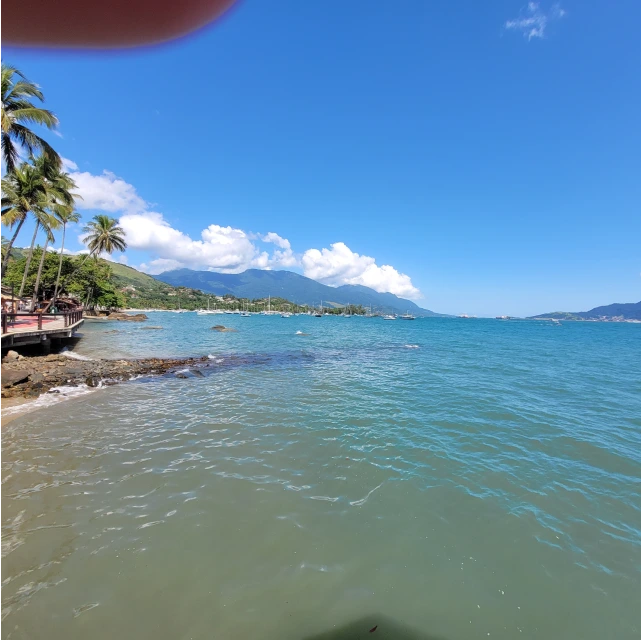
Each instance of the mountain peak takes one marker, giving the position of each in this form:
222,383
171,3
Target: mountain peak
259,283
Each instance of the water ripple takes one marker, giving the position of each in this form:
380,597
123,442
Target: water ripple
489,478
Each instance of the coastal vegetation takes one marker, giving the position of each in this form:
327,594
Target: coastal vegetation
39,190
89,281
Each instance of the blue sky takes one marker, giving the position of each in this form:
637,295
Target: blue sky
480,157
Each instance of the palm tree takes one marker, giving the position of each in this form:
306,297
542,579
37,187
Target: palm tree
24,191
66,215
56,198
52,223
5,244
62,199
44,220
104,236
19,110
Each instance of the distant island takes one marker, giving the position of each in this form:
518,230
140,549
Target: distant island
617,312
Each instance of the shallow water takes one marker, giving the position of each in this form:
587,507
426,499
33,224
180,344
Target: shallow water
463,477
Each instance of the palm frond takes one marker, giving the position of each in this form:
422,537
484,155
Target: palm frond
9,152
33,142
36,115
26,88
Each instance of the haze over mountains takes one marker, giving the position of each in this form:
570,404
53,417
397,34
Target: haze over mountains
258,283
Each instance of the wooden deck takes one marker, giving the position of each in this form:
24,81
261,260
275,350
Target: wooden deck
33,328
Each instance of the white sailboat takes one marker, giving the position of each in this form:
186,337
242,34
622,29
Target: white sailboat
207,311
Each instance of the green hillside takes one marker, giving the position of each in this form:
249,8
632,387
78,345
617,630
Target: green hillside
557,315
142,291
626,311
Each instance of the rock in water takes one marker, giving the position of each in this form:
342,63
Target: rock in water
221,328
117,315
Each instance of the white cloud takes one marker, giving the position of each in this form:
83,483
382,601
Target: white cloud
533,22
69,165
220,248
226,249
106,192
283,257
274,238
340,265
68,252
159,265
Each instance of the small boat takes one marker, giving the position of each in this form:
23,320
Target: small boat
207,311
245,314
389,317
407,316
286,314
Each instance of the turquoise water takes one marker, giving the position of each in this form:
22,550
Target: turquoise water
459,478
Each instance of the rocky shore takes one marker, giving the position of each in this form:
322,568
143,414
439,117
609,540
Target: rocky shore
28,377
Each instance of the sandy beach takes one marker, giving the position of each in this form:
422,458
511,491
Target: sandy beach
19,407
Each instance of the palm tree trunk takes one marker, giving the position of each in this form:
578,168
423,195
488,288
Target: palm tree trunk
26,267
73,273
62,248
13,239
34,298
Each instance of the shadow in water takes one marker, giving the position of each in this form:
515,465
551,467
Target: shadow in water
373,627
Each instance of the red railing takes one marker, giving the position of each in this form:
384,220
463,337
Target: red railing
71,317
11,319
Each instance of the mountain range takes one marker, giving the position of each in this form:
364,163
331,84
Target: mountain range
628,310
258,283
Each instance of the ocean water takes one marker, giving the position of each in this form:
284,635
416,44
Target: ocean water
442,479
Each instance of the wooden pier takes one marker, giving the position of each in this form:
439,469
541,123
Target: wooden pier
21,329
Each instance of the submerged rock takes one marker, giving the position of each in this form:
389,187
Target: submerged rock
221,328
117,315
32,376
